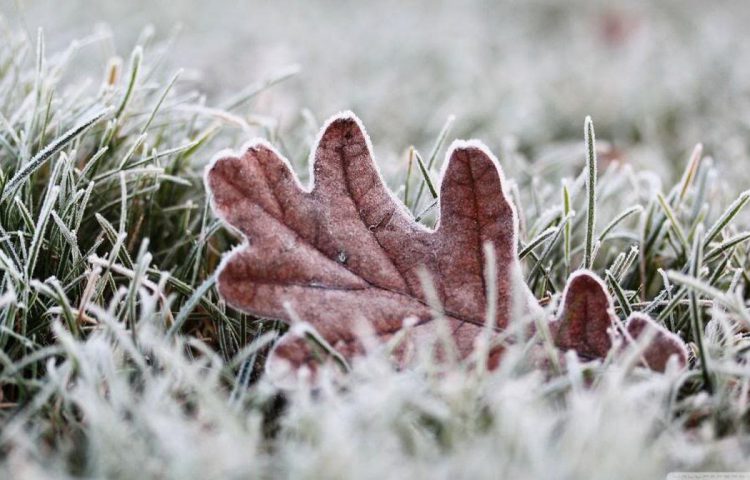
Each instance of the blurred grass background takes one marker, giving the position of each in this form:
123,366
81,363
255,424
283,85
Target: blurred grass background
663,75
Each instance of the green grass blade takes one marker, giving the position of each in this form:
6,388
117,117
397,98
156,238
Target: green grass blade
40,158
590,140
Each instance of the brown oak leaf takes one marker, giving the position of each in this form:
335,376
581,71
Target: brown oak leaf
587,324
345,249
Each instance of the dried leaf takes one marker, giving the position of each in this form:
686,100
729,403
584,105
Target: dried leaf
586,317
346,249
662,345
587,324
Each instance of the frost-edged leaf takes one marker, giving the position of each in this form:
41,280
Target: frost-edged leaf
587,324
584,323
662,344
346,249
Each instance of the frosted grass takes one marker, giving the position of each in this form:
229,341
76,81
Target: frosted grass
118,359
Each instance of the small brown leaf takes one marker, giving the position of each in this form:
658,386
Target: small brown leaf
587,324
346,249
662,345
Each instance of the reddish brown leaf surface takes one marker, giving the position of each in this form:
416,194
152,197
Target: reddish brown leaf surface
587,324
346,250
586,317
662,344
